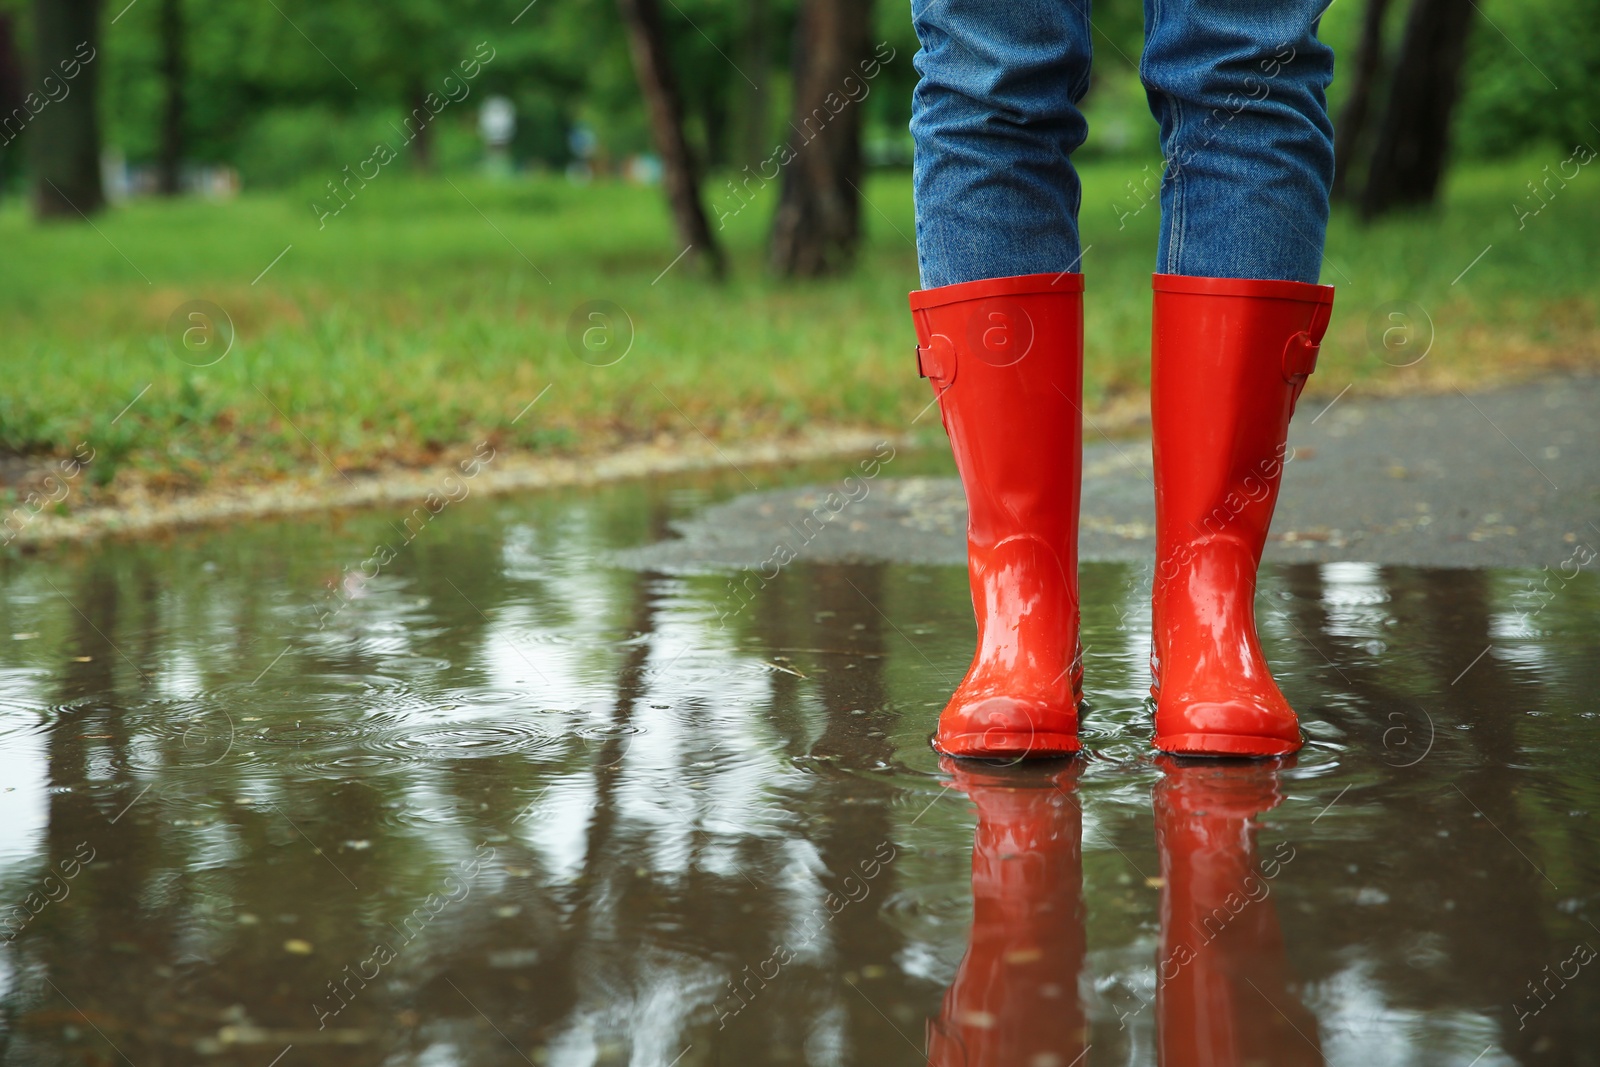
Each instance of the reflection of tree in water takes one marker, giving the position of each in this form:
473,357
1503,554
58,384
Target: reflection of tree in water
92,949
566,947
1471,921
179,927
858,820
741,892
148,945
575,933
628,925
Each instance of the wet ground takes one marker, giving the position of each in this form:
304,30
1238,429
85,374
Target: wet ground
515,800
1509,478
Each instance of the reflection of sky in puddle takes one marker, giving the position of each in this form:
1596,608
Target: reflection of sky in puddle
670,801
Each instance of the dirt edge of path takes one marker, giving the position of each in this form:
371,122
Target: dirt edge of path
138,512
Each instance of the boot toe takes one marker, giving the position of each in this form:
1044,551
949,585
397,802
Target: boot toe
1006,726
1228,728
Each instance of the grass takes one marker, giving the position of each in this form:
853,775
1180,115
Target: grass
427,315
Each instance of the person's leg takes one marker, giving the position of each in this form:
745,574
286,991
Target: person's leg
1000,337
995,121
1238,87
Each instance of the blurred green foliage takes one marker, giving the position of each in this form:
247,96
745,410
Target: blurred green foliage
285,89
1533,78
425,317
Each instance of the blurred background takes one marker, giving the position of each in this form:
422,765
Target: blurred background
246,240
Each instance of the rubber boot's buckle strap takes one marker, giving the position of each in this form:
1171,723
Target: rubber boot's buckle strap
1299,358
937,361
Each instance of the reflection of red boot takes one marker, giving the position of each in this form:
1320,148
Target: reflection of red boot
1014,1000
1222,982
1229,359
1005,357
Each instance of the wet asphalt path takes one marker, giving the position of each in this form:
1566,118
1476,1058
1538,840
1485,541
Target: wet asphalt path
1500,479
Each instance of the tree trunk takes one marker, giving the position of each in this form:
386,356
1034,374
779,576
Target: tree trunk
817,226
11,76
12,111
66,132
422,143
714,116
754,116
169,178
1409,157
1350,131
652,65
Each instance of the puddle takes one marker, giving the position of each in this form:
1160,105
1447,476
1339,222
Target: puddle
507,802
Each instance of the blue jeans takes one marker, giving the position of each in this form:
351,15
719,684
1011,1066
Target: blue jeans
1237,86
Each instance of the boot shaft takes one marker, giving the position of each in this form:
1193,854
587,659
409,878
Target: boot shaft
1228,360
1005,358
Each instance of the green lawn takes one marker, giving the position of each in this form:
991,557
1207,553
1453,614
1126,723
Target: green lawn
416,323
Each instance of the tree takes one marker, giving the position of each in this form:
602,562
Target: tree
1408,159
11,79
818,222
169,158
753,146
11,96
648,48
422,145
66,131
1350,131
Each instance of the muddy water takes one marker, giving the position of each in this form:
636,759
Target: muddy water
507,803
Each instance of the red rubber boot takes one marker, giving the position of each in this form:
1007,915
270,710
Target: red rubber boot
1223,995
1005,357
1230,357
1014,1000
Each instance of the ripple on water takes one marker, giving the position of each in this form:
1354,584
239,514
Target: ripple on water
11,704
413,666
607,731
310,733
23,718
490,695
479,739
311,694
339,726
190,732
399,739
